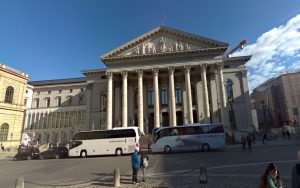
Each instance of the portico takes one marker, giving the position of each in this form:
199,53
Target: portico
167,77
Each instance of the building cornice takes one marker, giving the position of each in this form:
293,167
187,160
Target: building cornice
187,53
59,86
11,71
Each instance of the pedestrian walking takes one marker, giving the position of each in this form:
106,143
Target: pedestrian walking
296,174
283,133
271,178
249,143
264,138
135,164
144,164
288,133
243,141
253,137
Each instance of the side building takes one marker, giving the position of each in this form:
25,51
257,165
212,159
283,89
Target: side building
277,101
12,105
56,111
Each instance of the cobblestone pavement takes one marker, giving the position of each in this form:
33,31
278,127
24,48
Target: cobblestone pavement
176,182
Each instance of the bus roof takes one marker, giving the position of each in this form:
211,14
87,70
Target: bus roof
187,125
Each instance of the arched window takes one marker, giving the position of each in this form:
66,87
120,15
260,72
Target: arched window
103,101
4,132
178,96
164,96
193,92
9,94
150,97
229,91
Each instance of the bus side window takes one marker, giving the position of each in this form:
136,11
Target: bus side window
199,130
182,131
164,132
174,132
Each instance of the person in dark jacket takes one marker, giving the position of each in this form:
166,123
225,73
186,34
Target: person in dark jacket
296,174
135,164
144,164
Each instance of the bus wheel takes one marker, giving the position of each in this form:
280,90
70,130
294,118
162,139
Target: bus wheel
205,147
167,149
119,152
28,157
83,154
56,156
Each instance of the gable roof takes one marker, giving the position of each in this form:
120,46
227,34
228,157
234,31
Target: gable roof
162,31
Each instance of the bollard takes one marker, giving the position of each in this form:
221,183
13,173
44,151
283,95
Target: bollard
203,174
117,177
19,182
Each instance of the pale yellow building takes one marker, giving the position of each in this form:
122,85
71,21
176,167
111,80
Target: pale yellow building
13,85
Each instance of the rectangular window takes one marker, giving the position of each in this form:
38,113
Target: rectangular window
59,91
71,90
70,100
48,102
58,101
49,92
37,103
80,100
25,102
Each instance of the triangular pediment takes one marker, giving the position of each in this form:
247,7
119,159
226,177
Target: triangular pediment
163,40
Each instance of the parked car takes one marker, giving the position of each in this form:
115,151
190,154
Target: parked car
27,153
54,153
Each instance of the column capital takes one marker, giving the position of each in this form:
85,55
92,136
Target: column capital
155,71
220,66
139,73
243,73
124,74
187,68
109,75
171,70
203,67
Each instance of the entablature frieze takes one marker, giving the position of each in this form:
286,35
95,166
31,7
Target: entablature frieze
58,86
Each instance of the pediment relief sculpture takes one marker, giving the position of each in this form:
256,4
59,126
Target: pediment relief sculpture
160,45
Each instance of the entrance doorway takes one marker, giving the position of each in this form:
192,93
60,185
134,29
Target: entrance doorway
165,119
150,122
179,118
195,116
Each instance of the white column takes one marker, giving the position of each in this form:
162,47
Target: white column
205,93
109,76
172,105
222,94
124,99
140,100
156,98
189,93
26,122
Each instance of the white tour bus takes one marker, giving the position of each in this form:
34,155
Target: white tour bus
104,142
188,138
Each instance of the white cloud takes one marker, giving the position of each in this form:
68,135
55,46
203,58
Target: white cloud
273,52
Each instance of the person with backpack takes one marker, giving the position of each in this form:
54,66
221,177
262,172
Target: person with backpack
144,164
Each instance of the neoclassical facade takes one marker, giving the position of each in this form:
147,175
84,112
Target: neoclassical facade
12,105
167,77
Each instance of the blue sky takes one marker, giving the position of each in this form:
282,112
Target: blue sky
59,38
